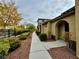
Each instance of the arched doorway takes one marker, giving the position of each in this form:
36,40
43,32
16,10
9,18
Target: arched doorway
62,30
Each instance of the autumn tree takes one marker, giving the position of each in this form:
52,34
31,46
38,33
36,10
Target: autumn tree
9,15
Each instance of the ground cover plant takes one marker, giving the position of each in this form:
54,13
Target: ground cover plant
4,46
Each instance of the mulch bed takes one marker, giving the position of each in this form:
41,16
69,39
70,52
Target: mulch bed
22,52
61,53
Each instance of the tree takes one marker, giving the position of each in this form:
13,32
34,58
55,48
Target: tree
30,27
9,15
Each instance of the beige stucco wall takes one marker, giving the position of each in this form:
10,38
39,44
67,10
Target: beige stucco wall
47,29
51,28
71,20
42,28
77,26
73,27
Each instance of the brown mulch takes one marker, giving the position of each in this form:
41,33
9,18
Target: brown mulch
22,52
61,53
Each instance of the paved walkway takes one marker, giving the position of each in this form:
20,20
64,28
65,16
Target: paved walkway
49,50
38,50
54,44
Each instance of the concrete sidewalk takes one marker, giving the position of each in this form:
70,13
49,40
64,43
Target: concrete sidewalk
54,44
38,50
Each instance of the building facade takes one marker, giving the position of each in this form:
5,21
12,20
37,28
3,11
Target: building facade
64,27
77,26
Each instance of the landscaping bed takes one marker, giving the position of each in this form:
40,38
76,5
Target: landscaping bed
22,52
44,37
61,53
11,43
7,45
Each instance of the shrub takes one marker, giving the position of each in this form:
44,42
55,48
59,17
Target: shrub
14,44
37,32
2,53
18,32
27,33
23,36
43,37
4,46
72,45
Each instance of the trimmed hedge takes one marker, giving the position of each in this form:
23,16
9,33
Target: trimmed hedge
72,45
20,32
38,33
43,37
23,36
2,53
14,44
4,46
10,44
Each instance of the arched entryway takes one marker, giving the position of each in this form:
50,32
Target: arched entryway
62,30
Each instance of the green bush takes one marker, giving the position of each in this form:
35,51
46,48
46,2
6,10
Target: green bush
26,33
4,46
14,44
2,53
43,37
23,36
8,45
37,32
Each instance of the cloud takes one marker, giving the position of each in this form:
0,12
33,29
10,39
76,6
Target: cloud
33,9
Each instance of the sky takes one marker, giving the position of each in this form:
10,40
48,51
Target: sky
31,10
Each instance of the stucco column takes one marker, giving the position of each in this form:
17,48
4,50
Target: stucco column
77,27
49,29
42,28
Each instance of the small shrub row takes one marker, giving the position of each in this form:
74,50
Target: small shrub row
14,44
23,36
21,31
8,44
4,46
2,53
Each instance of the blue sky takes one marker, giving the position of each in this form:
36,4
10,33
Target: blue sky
31,10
